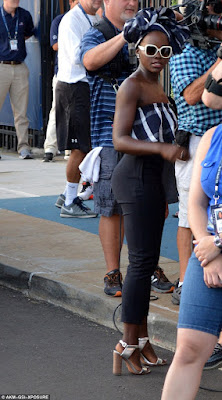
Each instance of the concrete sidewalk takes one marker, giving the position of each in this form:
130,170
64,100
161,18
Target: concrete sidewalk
62,264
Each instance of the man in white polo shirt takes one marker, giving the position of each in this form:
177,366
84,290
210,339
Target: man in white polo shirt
73,103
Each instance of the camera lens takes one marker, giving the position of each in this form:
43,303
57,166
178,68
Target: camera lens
213,22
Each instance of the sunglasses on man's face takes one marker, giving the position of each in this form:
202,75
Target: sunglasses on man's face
151,50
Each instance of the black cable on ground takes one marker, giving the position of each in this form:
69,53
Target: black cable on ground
152,298
210,390
114,318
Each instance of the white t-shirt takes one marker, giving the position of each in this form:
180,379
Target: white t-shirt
72,28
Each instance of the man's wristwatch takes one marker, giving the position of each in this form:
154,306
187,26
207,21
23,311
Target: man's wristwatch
218,241
219,52
213,86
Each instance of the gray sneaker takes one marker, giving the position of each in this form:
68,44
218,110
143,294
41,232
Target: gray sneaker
215,359
25,154
60,201
176,295
77,210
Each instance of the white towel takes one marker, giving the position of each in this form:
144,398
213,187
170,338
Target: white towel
90,166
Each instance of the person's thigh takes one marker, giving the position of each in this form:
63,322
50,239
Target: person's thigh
194,345
19,90
6,77
200,306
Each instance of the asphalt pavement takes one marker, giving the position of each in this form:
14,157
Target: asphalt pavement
46,350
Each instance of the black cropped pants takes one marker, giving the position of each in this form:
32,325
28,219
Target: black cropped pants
137,186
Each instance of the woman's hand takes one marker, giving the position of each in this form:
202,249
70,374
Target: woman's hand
205,250
213,273
174,152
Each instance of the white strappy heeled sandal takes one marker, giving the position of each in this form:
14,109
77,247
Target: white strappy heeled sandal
144,361
125,355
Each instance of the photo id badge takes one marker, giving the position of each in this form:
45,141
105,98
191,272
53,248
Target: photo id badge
14,44
216,212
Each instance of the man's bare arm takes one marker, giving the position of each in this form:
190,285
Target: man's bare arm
103,53
193,92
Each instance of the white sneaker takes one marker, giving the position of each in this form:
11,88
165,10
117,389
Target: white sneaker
86,192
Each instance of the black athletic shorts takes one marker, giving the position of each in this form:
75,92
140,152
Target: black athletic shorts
73,116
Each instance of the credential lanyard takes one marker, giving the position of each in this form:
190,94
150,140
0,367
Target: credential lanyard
6,26
216,194
81,7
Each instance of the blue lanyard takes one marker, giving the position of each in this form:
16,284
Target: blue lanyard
6,26
216,194
81,7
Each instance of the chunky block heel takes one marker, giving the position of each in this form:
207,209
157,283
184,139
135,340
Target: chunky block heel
117,363
125,355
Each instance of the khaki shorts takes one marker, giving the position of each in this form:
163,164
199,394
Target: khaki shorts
183,172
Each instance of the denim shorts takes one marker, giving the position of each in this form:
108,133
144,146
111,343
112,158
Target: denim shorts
104,200
200,306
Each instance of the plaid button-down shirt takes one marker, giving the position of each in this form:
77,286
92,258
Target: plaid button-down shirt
184,69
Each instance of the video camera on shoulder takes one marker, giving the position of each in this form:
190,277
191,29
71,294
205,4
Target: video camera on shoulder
197,17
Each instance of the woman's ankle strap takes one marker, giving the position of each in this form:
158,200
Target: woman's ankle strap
125,345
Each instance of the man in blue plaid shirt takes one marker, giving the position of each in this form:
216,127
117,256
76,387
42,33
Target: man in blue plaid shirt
189,72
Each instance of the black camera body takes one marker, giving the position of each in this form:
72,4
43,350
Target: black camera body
198,19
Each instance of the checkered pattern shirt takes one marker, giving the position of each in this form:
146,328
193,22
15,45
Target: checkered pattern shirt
184,69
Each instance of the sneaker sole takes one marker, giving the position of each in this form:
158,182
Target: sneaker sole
117,294
77,216
154,289
213,366
26,158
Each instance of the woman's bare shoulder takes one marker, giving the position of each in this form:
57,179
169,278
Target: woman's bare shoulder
207,137
131,87
205,142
